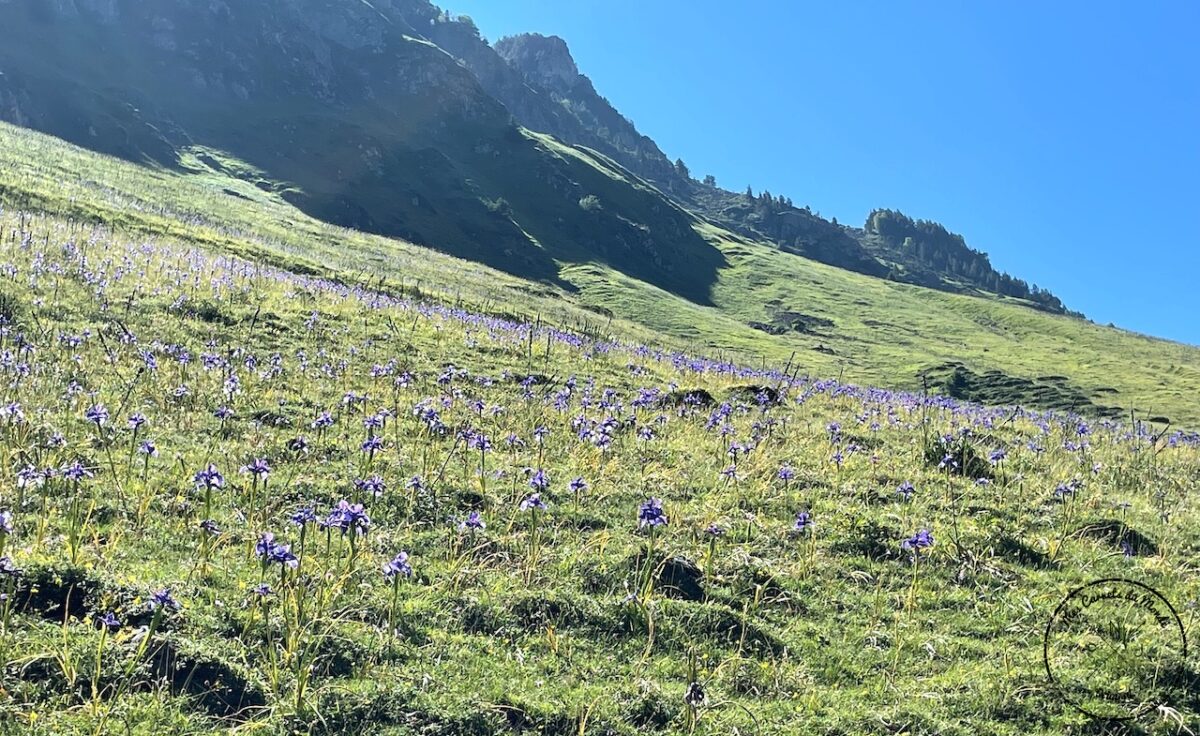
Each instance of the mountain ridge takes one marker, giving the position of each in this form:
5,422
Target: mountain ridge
546,61
373,125
558,99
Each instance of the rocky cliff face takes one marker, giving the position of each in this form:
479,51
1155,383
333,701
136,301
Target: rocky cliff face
537,80
544,60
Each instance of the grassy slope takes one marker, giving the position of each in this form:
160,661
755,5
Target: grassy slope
520,628
833,630
884,333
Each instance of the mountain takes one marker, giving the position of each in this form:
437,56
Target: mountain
339,402
351,114
399,122
359,83
586,118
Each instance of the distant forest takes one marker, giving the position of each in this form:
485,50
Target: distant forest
932,246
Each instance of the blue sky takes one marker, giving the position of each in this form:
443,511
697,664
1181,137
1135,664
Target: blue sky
1062,138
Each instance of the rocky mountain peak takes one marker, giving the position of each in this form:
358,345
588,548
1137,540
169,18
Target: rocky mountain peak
544,60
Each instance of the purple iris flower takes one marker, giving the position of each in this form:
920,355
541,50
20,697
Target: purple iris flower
97,415
259,468
303,516
1065,490
373,485
209,478
399,565
650,514
76,472
8,569
372,444
263,546
348,518
473,522
272,552
923,539
163,599
533,502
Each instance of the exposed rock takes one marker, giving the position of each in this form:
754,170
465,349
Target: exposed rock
545,60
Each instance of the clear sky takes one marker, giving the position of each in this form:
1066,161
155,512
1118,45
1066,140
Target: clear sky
1062,138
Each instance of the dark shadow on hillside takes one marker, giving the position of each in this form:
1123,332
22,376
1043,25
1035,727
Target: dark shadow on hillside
996,388
392,138
484,192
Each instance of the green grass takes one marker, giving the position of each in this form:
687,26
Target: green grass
884,333
515,628
526,627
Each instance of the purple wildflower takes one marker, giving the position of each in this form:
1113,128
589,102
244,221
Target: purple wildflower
923,539
163,599
533,502
97,415
373,485
303,516
8,569
259,468
650,514
539,481
209,478
76,472
399,565
473,522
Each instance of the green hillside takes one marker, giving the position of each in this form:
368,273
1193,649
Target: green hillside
268,476
763,306
360,377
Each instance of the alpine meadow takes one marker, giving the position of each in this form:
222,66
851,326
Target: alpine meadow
361,376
